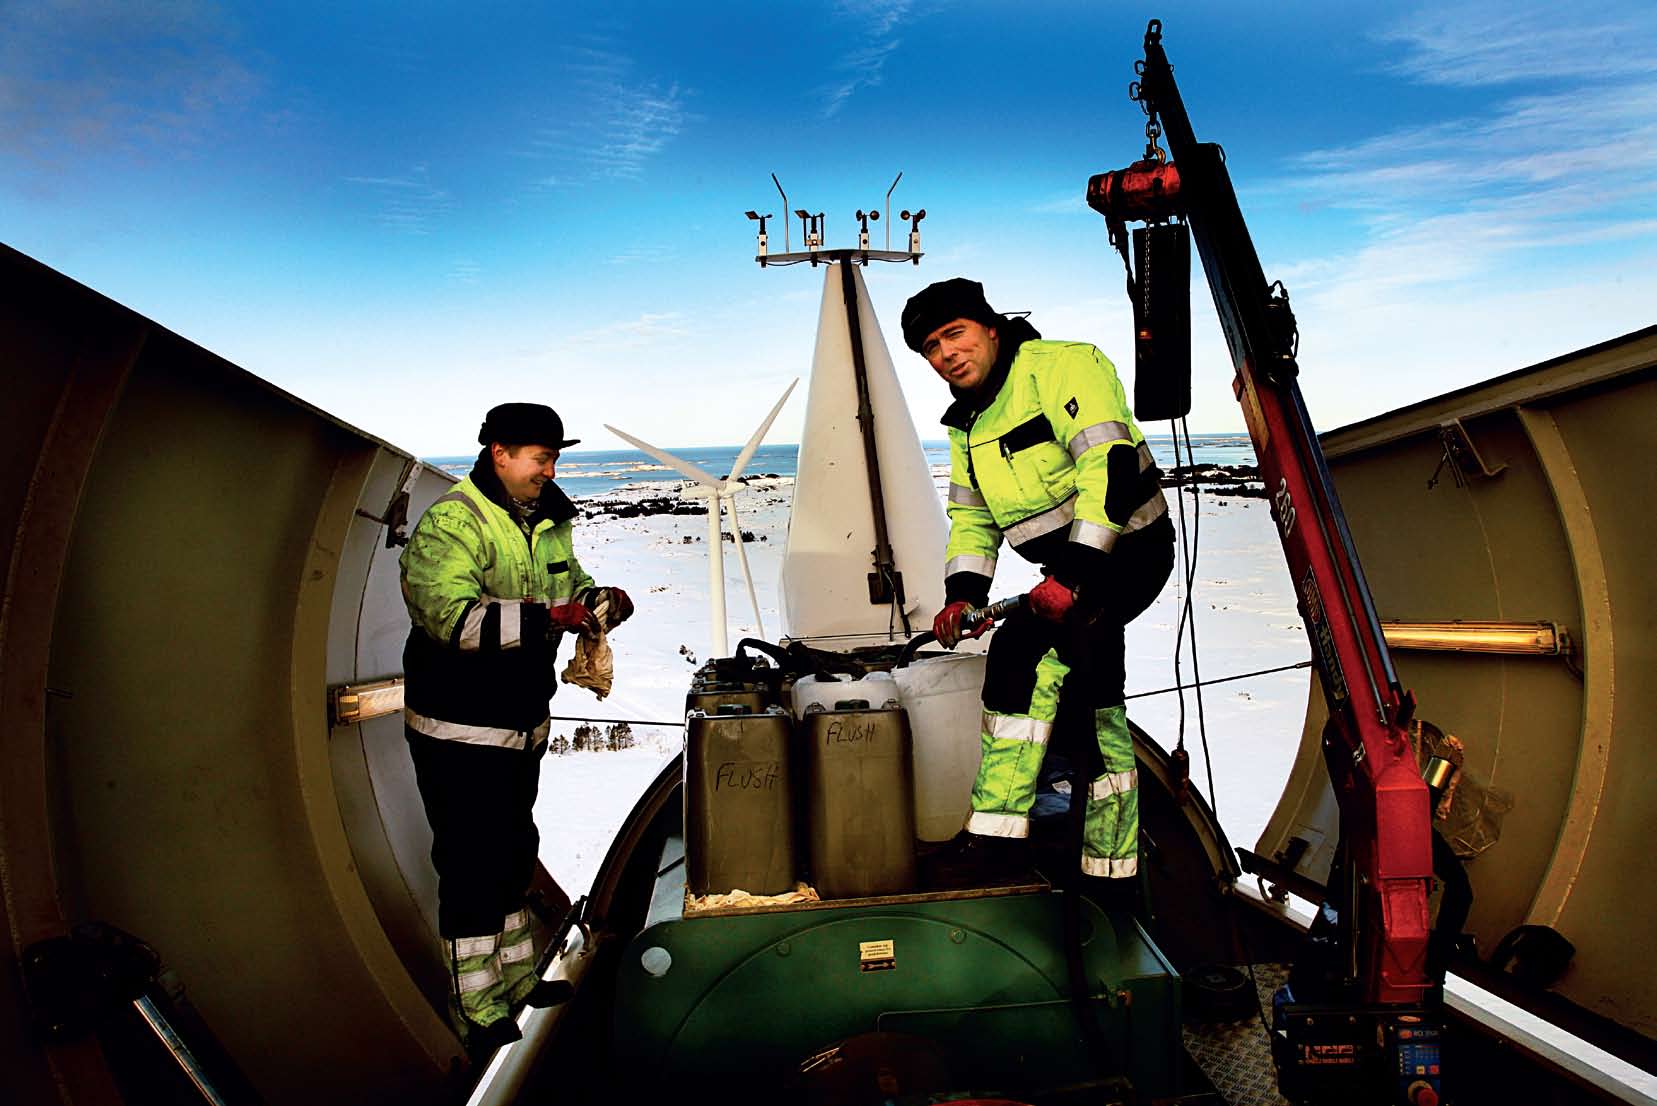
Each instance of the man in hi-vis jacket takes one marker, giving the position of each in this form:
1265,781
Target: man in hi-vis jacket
492,586
1044,453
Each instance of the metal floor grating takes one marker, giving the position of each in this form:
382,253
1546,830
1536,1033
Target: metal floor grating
1236,1056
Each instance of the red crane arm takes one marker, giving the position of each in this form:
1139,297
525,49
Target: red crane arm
1385,811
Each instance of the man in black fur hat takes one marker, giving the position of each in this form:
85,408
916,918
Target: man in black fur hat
492,586
1043,452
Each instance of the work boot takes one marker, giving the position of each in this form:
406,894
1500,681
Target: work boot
549,992
483,1040
974,860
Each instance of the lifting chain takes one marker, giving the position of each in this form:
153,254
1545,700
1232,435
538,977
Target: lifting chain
1145,285
1140,289
1153,129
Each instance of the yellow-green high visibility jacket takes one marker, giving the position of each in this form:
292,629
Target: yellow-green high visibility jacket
1046,453
477,668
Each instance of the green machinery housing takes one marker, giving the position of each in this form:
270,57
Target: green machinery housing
981,974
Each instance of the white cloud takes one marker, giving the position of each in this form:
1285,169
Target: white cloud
1072,202
619,122
1362,359
878,21
1515,228
1499,43
408,204
1510,192
643,330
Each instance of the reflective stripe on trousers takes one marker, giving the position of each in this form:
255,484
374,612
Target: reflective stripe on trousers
1014,745
493,974
517,956
1110,839
476,735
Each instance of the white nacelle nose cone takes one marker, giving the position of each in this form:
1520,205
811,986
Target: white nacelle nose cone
831,535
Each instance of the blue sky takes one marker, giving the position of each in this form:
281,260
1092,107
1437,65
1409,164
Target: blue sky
407,212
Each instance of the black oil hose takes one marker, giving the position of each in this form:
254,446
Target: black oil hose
912,646
778,655
1453,908
1071,905
800,659
1071,917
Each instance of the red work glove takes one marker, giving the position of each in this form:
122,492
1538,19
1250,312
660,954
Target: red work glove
610,606
947,626
570,617
1051,600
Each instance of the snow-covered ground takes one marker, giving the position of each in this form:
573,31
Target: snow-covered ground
1245,619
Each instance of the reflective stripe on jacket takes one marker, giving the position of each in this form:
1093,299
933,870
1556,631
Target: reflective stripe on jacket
473,673
1054,462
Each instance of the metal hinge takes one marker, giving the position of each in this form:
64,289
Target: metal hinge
395,516
1461,455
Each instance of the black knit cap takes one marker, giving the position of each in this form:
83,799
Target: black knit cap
944,302
524,424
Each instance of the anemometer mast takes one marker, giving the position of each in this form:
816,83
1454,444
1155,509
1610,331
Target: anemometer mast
812,235
885,581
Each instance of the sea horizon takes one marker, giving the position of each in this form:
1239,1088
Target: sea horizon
592,472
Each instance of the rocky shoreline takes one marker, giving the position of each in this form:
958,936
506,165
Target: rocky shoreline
1236,481
1229,481
670,502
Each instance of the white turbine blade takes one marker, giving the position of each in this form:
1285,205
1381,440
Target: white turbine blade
701,476
742,555
747,453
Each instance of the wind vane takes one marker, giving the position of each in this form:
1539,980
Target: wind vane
812,237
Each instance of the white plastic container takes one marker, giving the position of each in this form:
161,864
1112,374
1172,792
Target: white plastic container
944,698
877,688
